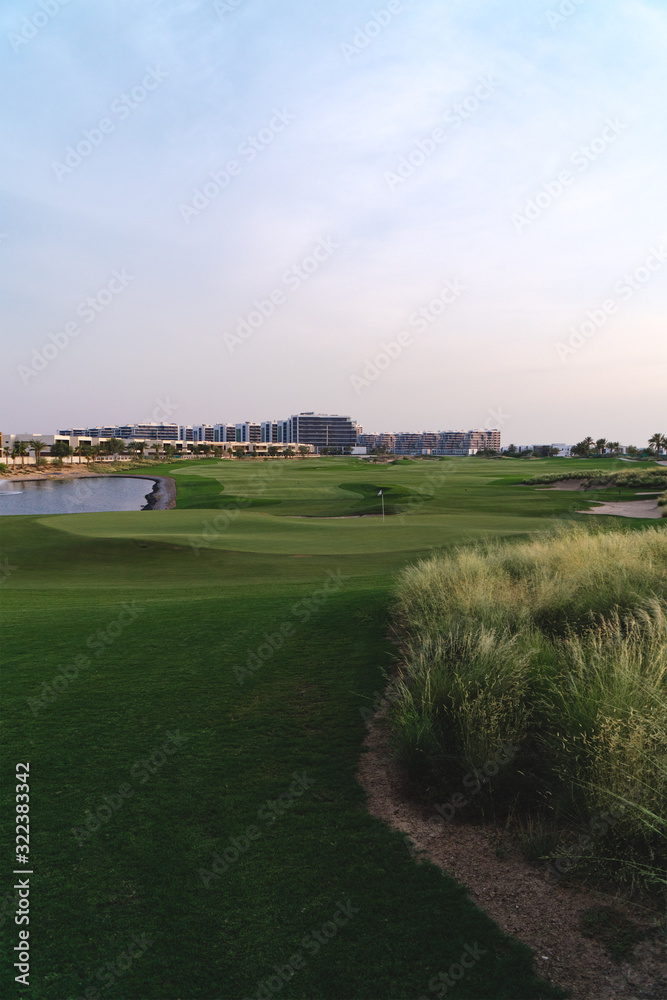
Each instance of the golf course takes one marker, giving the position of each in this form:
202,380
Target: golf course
190,688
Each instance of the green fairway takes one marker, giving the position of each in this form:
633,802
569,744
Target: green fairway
188,687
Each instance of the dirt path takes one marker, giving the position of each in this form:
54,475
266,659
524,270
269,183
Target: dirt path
524,900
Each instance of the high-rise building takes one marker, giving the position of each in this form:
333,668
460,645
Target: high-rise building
203,433
323,431
408,443
248,432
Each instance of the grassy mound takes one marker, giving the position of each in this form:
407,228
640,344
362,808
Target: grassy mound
629,478
558,648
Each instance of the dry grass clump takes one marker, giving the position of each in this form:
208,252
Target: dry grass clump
552,583
629,478
557,646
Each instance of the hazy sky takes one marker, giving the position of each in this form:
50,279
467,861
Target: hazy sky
471,194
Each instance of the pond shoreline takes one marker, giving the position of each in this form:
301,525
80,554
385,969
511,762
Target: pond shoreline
161,497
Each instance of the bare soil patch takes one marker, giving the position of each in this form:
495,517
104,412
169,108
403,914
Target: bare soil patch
524,900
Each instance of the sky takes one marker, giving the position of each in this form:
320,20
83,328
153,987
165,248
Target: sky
427,215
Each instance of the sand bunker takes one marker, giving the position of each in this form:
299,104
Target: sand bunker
632,508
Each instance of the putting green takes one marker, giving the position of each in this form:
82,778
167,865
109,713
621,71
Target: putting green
247,531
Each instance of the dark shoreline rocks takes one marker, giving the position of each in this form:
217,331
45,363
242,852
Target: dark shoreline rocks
163,494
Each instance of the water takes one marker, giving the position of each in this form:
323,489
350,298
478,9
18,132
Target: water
73,496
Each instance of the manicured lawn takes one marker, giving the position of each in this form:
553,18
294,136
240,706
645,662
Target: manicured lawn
230,656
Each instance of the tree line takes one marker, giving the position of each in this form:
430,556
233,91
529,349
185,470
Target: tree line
115,447
588,448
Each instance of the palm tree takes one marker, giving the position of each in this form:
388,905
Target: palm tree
614,447
600,446
38,447
79,451
657,442
20,449
115,447
288,452
303,451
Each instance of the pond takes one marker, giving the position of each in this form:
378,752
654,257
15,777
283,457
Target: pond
71,495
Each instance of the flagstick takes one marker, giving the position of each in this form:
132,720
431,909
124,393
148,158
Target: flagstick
383,507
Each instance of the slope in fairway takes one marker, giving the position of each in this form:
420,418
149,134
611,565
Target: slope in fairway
192,774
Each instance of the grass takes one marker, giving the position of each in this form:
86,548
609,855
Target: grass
205,656
631,478
557,646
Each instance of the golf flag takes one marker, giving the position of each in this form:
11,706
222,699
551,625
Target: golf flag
380,493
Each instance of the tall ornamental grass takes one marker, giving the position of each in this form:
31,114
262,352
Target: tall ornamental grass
629,478
557,646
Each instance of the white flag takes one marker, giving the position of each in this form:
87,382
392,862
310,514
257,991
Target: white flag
380,493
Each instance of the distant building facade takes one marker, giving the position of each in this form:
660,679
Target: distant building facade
329,433
433,442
